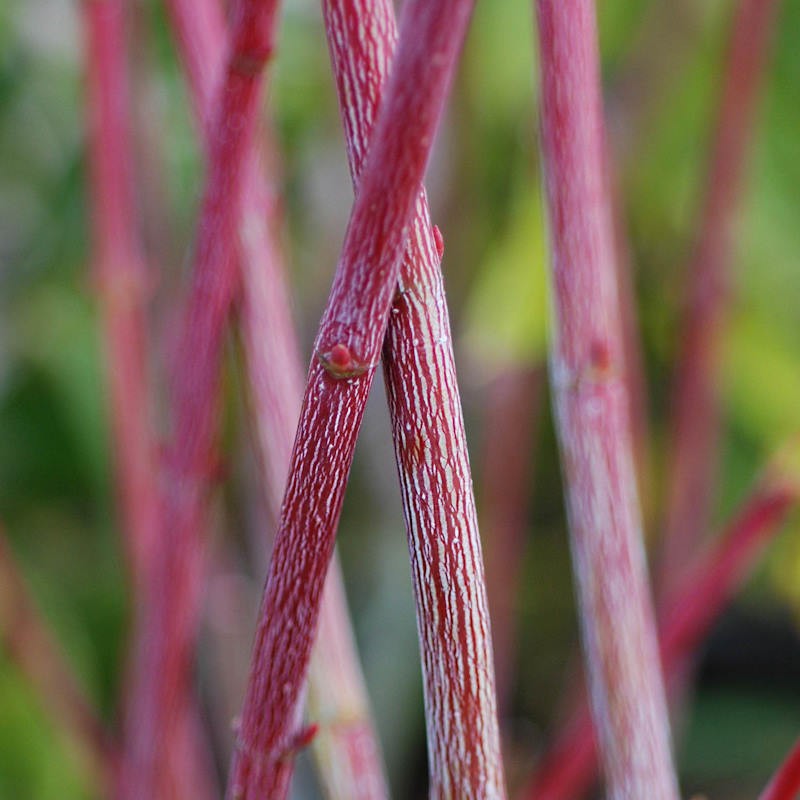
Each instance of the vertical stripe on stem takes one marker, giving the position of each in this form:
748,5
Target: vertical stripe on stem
619,635
704,591
430,447
347,350
346,745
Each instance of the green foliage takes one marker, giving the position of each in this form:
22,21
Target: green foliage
34,762
505,321
722,754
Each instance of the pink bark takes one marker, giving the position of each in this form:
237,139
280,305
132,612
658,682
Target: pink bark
694,420
695,424
201,32
122,279
785,785
167,625
120,276
347,350
619,636
430,447
568,769
346,745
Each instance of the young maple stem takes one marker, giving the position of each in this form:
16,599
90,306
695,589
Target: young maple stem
430,444
347,350
568,769
29,643
167,622
619,635
785,784
346,746
695,424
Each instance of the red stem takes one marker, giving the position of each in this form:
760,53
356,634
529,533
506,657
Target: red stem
121,278
346,745
568,769
619,634
120,275
695,424
562,774
785,784
430,447
167,626
707,588
201,33
347,350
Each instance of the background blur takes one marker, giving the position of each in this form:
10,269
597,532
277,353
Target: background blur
661,63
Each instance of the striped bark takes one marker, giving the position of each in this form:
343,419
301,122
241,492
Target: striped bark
430,447
619,637
568,769
346,746
347,350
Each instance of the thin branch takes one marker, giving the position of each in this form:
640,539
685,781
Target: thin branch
619,634
430,445
347,350
570,766
121,278
167,623
785,784
695,423
120,275
346,745
29,642
707,588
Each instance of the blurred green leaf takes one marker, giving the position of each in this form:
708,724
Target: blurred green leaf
34,764
505,320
